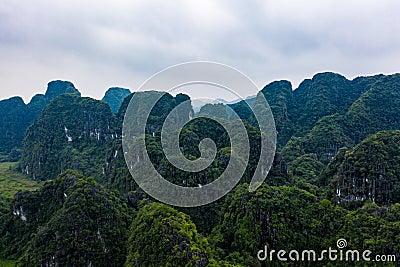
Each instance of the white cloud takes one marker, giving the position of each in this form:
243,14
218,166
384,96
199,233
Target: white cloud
121,43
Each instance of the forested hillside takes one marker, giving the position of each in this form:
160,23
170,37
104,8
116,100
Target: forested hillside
71,133
336,174
80,224
16,117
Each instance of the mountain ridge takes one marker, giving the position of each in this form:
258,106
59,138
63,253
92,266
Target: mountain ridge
21,115
335,175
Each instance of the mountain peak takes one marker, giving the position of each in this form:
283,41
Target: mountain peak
115,96
15,100
327,75
58,87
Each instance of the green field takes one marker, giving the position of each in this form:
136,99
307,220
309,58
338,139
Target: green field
7,263
11,181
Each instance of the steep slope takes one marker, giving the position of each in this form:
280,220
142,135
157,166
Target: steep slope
14,120
276,217
279,95
162,236
324,140
114,97
297,111
71,133
56,88
375,110
369,171
17,117
325,94
82,134
71,221
288,218
336,178
282,103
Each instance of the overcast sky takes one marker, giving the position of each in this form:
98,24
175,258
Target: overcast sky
123,42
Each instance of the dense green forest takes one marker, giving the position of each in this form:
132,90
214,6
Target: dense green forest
335,175
16,117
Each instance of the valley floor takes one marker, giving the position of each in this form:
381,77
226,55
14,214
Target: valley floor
11,181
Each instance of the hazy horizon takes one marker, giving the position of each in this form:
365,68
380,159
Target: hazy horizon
190,92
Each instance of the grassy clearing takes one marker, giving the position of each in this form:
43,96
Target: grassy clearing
7,263
11,181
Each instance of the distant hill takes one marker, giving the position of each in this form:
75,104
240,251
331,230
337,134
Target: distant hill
114,97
